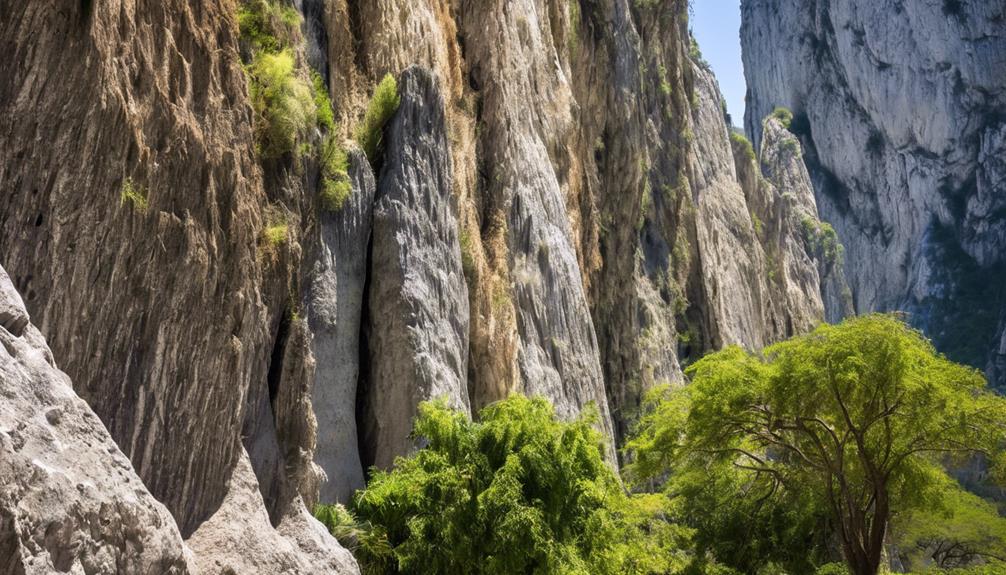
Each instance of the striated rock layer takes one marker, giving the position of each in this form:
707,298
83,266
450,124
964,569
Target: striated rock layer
900,108
132,207
69,499
559,210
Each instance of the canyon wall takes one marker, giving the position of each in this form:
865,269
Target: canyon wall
558,208
900,108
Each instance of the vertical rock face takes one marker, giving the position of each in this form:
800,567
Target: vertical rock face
69,499
142,97
767,263
417,330
132,205
899,108
335,305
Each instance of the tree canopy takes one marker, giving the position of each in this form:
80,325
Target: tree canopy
519,491
849,425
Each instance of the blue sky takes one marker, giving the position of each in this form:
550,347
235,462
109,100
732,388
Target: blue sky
716,25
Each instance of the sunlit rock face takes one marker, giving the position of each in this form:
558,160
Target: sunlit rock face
900,107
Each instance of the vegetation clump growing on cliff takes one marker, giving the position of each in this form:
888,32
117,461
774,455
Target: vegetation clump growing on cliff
383,105
283,103
822,240
741,142
784,116
335,185
134,195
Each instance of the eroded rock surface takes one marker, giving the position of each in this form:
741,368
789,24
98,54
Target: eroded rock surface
335,307
69,499
899,109
417,330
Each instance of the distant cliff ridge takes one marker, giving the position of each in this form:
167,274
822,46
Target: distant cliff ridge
901,107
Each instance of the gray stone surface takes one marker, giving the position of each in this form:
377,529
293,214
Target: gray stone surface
335,302
69,499
417,329
899,105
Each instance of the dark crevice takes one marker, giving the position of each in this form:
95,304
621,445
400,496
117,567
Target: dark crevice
317,36
276,359
364,413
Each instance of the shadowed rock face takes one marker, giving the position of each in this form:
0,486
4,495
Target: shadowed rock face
899,108
69,499
417,330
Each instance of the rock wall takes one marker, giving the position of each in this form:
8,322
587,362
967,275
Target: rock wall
132,206
69,499
899,106
417,328
559,210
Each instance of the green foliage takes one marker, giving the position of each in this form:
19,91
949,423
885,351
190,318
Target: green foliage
757,224
822,240
133,194
957,529
517,492
791,146
286,105
382,107
326,117
276,230
848,424
741,142
367,543
335,185
784,116
267,26
283,103
695,53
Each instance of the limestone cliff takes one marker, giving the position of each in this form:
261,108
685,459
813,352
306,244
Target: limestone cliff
557,208
69,499
899,106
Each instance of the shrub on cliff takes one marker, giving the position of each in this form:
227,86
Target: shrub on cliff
383,105
784,116
283,103
519,491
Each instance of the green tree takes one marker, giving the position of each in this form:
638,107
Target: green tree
959,529
855,419
517,492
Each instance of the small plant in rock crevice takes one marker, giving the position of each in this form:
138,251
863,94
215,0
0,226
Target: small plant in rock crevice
133,194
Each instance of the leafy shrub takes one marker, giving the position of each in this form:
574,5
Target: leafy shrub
335,185
741,142
517,492
367,543
834,433
283,103
276,230
133,194
267,26
822,240
382,107
326,117
784,116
